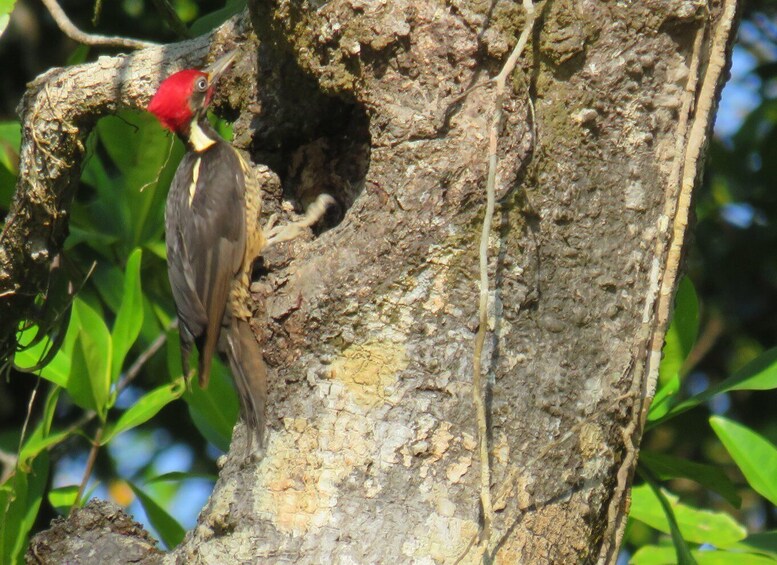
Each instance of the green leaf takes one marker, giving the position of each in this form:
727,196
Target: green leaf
5,19
38,444
662,401
669,467
10,140
682,331
763,542
222,127
41,437
108,280
697,526
144,409
178,476
90,376
102,242
63,498
78,56
19,508
129,318
158,248
682,551
755,456
57,370
170,531
146,157
664,555
6,6
215,19
7,188
215,410
758,374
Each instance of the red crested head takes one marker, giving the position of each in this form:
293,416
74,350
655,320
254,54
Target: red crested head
186,94
175,103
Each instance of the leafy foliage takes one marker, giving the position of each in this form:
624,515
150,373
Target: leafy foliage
111,356
755,456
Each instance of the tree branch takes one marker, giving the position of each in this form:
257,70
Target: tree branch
57,113
69,28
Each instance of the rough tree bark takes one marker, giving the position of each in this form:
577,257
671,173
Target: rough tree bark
368,329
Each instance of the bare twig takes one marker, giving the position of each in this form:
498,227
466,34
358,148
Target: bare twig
713,329
89,466
69,28
163,167
149,352
29,414
478,394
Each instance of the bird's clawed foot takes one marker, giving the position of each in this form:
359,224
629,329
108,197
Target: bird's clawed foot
278,234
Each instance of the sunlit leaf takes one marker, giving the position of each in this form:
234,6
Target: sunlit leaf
19,508
663,555
10,137
129,318
57,370
662,401
90,377
759,374
41,438
697,526
144,409
178,476
682,331
755,456
5,19
669,467
682,551
158,248
170,531
63,498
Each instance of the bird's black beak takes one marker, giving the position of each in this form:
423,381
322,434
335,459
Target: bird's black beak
217,68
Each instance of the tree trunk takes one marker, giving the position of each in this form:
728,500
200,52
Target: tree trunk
369,328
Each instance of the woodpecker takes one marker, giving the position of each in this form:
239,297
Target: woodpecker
213,236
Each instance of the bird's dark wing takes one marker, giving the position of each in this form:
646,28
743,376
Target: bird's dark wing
205,223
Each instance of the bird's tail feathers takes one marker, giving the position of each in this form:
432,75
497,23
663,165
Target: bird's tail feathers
250,374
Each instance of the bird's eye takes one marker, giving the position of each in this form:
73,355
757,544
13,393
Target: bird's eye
202,84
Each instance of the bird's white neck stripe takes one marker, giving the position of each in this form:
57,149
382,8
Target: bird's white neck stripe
195,178
198,139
